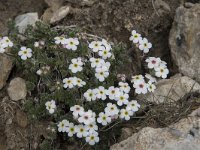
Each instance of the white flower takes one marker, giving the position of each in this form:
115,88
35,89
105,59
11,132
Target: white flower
125,114
92,138
151,79
113,92
81,131
77,110
122,99
87,117
90,95
96,46
76,65
60,40
70,129
2,49
92,127
101,73
36,44
137,79
144,45
140,87
105,53
153,62
133,106
151,87
106,44
50,106
25,53
135,37
6,42
71,43
68,82
124,87
43,71
103,119
78,82
111,109
101,93
96,62
161,71
63,125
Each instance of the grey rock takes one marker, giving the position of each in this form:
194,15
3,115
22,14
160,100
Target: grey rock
171,89
54,4
17,89
22,21
82,2
165,138
184,41
162,7
60,14
5,68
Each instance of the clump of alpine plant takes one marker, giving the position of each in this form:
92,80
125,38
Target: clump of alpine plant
146,83
75,82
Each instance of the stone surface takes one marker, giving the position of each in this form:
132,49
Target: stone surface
17,89
60,14
5,68
54,4
183,135
21,118
171,89
185,40
22,21
82,2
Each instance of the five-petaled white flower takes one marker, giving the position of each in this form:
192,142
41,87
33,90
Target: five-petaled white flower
133,106
153,62
51,106
96,62
71,43
125,114
122,99
105,53
79,82
135,37
25,53
101,93
60,40
151,87
96,46
87,117
144,45
113,92
103,118
140,87
63,125
77,110
6,42
111,109
68,82
70,129
101,73
81,131
90,95
137,78
92,138
123,86
161,71
92,127
76,65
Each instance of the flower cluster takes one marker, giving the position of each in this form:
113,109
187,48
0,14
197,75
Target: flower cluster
5,42
70,43
143,44
72,82
43,70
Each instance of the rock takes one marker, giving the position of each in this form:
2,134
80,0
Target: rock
21,118
162,7
126,132
183,135
171,89
82,2
47,15
22,21
60,14
17,89
54,4
184,41
5,68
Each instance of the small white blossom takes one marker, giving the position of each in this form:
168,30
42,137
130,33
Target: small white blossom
91,128
96,62
81,131
105,53
63,125
111,109
103,119
101,73
140,87
60,40
144,45
76,65
137,79
78,82
92,138
50,106
68,83
153,62
70,129
101,93
36,44
6,42
71,44
133,106
87,117
113,92
25,53
161,71
123,86
151,87
122,99
135,37
125,114
96,46
90,95
77,110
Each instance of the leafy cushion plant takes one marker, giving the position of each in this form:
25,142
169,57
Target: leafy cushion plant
73,80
